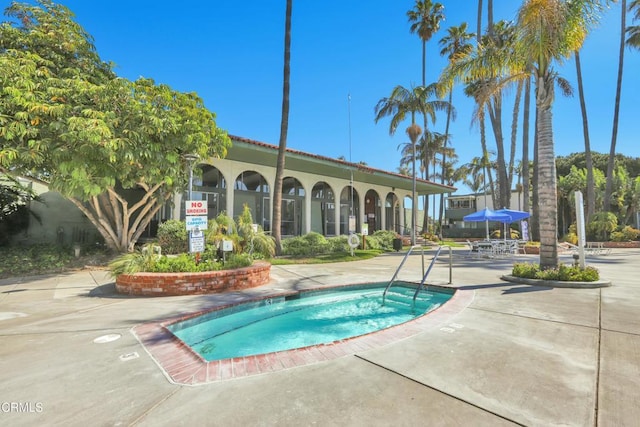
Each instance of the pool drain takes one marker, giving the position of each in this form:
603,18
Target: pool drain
129,356
107,338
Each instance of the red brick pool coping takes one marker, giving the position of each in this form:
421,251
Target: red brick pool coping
182,365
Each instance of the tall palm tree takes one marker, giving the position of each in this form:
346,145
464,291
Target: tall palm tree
425,20
284,127
400,103
455,44
633,40
547,32
591,192
616,111
525,146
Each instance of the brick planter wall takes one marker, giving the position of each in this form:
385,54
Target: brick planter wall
171,284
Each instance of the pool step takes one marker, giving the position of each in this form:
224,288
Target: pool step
405,300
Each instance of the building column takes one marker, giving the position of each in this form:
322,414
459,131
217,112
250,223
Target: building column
230,193
383,213
307,212
336,211
363,216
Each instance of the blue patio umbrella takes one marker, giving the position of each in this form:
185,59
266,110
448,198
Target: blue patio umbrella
513,214
487,215
514,217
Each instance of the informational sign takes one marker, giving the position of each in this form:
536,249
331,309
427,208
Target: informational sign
227,246
195,208
365,229
196,241
524,226
199,222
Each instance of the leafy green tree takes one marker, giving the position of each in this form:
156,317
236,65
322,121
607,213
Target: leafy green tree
14,208
113,147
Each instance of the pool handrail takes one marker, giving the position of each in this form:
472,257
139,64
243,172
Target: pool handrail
393,279
424,279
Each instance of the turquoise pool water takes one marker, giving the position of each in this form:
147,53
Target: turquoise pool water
305,319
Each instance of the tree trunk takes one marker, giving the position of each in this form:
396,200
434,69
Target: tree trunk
495,115
479,33
591,192
614,135
444,178
514,135
547,188
120,225
525,147
284,126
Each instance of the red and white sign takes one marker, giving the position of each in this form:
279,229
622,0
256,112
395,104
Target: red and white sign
195,207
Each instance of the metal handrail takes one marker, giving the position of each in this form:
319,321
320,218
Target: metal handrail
424,279
393,279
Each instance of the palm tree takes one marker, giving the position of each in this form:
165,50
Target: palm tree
547,32
284,126
525,146
633,40
591,192
455,44
398,105
614,134
425,20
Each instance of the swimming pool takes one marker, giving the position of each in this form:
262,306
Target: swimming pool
304,319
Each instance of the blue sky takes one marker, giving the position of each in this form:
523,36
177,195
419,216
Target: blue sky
230,53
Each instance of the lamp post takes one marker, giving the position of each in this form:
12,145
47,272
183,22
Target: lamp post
190,158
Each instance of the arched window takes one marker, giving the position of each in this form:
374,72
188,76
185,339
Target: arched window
251,189
323,207
349,206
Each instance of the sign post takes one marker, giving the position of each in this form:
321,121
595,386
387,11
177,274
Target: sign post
580,228
196,218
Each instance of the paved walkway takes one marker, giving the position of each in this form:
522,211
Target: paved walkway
515,355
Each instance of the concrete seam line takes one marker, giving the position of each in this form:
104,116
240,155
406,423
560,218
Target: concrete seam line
439,391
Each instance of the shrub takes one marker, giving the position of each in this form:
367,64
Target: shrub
525,270
386,238
627,234
172,237
338,244
135,262
602,223
564,273
308,245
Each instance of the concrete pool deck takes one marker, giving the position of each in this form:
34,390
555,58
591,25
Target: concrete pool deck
514,355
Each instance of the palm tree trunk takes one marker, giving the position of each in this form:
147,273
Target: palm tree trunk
444,178
591,192
284,126
525,146
614,135
547,188
479,32
514,135
495,114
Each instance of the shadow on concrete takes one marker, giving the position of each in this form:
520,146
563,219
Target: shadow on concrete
524,289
